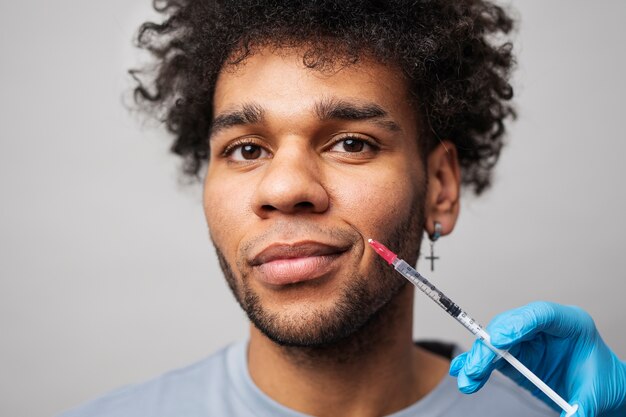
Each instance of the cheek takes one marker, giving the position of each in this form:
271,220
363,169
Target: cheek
226,211
377,205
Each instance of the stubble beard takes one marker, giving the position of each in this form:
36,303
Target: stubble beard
355,322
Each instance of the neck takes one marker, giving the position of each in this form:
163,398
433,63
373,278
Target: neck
376,371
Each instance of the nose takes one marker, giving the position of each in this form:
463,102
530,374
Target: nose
291,183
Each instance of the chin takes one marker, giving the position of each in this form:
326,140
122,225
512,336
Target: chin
313,325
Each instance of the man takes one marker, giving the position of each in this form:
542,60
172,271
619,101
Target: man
324,124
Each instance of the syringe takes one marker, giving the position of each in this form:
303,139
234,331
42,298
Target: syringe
469,323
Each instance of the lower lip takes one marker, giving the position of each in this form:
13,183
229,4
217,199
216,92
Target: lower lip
291,271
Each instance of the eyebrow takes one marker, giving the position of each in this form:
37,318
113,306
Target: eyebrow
331,109
326,109
248,113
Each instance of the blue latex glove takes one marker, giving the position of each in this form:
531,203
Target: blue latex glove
562,346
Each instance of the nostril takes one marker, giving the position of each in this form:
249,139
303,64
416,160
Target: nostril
304,205
301,206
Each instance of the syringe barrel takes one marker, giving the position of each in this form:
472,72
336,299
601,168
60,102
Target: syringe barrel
427,288
437,296
472,325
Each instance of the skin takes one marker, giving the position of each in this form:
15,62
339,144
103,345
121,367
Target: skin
290,177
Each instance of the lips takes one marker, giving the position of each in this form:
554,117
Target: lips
281,264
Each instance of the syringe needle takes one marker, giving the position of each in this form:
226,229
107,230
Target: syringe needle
469,323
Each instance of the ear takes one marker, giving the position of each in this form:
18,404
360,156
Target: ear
444,186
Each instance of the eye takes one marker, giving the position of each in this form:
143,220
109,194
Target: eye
240,152
353,144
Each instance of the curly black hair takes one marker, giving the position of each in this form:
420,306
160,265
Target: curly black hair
457,71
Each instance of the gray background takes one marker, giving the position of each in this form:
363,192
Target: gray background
107,276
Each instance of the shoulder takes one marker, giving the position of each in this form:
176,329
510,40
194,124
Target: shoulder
500,396
178,392
508,398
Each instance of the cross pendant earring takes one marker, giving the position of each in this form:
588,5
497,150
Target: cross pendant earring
433,238
432,256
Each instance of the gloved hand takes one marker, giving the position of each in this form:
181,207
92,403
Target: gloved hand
562,346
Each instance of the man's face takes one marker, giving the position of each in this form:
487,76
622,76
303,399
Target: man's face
305,166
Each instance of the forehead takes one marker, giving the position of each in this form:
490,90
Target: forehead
279,81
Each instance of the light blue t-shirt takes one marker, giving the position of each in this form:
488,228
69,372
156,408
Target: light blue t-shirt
220,386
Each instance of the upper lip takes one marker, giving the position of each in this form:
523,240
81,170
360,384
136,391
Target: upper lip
278,251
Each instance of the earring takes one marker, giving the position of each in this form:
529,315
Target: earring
433,238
